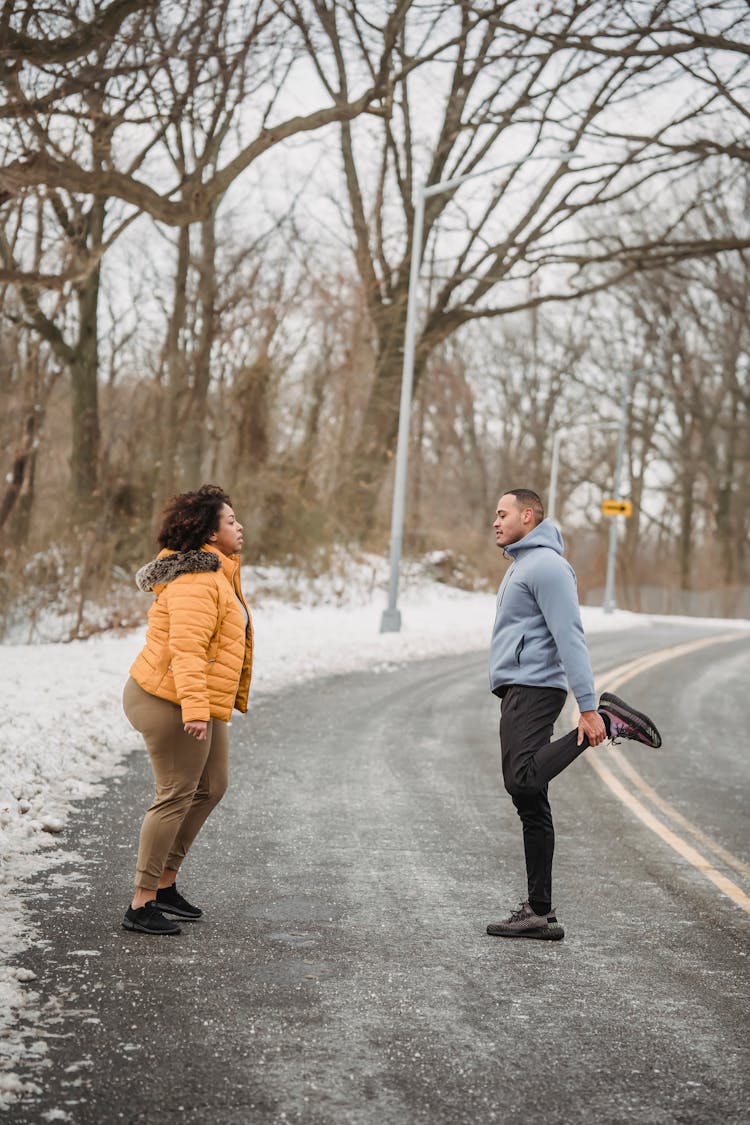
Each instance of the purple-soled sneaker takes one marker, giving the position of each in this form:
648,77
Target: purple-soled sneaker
626,722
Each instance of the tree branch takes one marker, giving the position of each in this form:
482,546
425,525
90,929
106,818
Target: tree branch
40,52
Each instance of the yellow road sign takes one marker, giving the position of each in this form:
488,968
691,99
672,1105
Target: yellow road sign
617,507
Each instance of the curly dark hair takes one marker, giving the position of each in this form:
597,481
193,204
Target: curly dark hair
189,519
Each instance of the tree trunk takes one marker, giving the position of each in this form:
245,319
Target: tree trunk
195,421
176,379
376,445
306,450
686,534
19,479
252,386
727,482
84,374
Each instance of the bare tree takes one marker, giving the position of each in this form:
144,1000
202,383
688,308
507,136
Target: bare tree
685,329
48,60
509,81
95,107
28,373
709,43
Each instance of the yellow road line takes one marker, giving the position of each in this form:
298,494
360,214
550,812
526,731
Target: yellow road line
680,846
614,679
616,676
721,853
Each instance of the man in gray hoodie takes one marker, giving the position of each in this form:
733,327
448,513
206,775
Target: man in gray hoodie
538,650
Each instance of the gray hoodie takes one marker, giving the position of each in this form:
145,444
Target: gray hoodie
538,636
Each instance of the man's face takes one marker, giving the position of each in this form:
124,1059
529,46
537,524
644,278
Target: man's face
512,521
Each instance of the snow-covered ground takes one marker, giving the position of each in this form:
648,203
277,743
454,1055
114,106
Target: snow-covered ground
65,732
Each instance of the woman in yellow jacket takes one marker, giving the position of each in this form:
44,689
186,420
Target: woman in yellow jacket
193,670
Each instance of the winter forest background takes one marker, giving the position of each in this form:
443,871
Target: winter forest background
206,211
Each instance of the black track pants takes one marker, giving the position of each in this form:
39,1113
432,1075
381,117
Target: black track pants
530,761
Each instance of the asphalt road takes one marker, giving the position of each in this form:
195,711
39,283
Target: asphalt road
342,973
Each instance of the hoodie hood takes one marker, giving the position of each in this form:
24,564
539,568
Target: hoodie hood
169,565
545,534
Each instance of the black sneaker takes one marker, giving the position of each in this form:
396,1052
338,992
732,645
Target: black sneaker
170,901
524,923
626,722
149,919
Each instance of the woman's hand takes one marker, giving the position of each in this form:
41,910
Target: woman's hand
198,729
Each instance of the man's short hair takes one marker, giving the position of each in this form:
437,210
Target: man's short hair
527,499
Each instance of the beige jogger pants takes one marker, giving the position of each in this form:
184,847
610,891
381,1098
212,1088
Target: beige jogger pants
191,778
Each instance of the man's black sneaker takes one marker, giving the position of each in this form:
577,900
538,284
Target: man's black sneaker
626,722
170,901
149,919
524,923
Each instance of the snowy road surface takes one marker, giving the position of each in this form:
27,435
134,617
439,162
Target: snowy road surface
342,972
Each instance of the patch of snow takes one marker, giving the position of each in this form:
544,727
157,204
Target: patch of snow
11,1084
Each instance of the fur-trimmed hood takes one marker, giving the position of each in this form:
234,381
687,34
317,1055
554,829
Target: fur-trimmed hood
171,564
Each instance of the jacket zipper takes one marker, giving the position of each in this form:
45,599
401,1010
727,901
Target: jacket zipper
505,584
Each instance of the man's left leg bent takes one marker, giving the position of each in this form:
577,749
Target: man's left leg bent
530,759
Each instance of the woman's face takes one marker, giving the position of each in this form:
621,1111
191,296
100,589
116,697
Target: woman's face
228,536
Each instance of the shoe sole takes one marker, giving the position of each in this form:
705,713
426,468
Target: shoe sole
136,929
629,714
554,932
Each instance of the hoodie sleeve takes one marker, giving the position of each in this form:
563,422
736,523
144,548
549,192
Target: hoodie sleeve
554,587
193,613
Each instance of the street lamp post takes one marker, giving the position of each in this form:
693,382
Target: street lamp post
391,620
609,586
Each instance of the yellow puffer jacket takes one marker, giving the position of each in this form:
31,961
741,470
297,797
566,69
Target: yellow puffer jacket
198,651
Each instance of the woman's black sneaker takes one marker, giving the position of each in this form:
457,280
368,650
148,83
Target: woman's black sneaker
149,919
170,901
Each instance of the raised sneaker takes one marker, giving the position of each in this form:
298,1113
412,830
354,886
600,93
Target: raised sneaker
170,901
626,722
149,919
524,923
